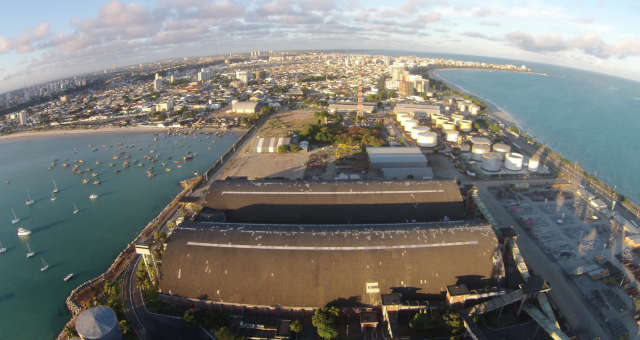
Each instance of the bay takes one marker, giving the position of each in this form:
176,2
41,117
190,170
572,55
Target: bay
32,302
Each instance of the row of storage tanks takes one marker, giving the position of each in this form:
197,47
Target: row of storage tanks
494,157
427,138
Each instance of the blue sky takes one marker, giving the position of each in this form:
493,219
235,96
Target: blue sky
42,40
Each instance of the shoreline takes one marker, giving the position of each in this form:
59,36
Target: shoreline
44,133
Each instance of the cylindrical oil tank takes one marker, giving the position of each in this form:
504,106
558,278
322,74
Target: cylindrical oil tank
440,121
477,140
491,161
513,161
417,130
410,124
477,150
427,139
448,126
451,135
98,323
457,118
401,117
501,148
534,163
465,125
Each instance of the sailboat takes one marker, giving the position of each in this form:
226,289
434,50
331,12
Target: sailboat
45,265
30,252
29,200
15,218
75,209
2,249
55,188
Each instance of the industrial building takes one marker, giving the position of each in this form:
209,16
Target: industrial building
415,110
98,323
399,162
271,144
244,107
311,266
334,203
351,107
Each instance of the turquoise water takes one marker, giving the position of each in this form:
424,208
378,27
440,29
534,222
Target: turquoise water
589,118
32,302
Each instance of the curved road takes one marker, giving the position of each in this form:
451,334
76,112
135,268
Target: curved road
149,325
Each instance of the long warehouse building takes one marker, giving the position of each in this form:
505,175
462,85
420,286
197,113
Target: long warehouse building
311,266
336,202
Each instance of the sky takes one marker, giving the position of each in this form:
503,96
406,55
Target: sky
41,40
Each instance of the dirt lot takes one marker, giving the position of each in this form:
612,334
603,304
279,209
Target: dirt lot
248,163
286,121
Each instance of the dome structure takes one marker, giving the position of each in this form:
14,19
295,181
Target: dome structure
98,323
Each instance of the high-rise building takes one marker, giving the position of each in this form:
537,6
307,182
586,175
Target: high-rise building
243,76
22,118
397,72
204,75
406,87
157,84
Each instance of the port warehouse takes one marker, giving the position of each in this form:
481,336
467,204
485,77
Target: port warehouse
273,201
306,266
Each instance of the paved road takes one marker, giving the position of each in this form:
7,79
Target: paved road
566,295
149,325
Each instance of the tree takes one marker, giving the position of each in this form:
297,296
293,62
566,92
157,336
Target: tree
453,321
189,317
296,327
224,333
124,326
325,320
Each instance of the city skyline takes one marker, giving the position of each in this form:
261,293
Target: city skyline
44,41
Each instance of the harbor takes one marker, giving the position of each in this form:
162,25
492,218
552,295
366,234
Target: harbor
73,224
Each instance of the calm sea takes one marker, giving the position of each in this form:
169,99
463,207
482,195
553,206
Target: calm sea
588,118
32,302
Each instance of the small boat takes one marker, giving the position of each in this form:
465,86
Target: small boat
111,165
68,277
23,232
44,266
96,182
75,209
167,169
94,175
65,164
55,188
179,166
85,180
3,249
196,173
29,200
6,181
97,162
15,218
30,253
53,198
93,196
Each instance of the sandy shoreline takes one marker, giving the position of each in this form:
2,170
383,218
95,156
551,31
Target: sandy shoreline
75,132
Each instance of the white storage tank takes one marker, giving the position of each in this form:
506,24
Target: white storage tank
427,139
501,148
260,145
465,125
491,161
448,126
534,163
402,117
457,118
451,135
440,121
410,124
477,150
513,161
417,130
478,140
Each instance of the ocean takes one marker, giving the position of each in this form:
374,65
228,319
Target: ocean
586,117
32,302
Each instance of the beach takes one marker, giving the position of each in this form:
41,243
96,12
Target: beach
68,132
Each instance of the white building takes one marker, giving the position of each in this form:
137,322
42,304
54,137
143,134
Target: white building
157,84
244,107
22,118
204,75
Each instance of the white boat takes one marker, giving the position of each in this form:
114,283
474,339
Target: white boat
68,277
29,200
53,198
75,209
30,253
93,196
45,265
55,188
2,249
15,218
23,232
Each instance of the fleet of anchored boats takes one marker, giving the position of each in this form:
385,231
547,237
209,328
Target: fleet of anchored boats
152,157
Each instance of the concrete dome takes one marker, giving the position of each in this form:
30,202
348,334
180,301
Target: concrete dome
98,322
